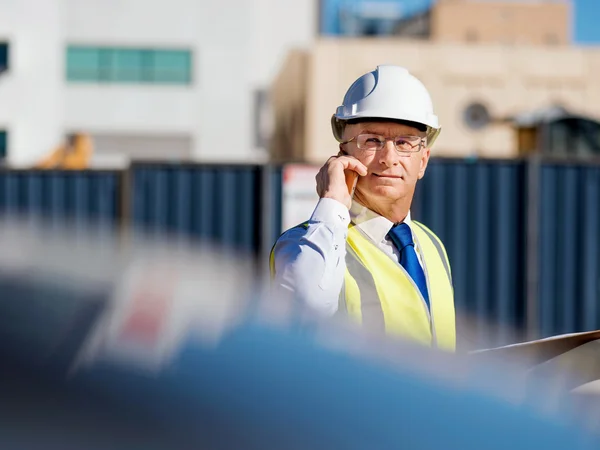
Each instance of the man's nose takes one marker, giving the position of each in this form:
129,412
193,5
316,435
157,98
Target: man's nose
388,155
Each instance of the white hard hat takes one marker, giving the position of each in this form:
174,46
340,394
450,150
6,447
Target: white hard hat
389,92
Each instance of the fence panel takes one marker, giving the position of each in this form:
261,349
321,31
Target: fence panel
569,251
57,197
221,204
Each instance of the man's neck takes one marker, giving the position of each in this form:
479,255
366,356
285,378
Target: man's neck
395,212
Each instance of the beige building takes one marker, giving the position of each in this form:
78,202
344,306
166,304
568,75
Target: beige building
529,22
507,80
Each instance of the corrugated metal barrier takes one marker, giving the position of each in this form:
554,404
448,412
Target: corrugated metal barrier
222,204
569,253
56,196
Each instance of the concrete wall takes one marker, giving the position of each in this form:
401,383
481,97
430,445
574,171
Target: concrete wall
31,92
507,80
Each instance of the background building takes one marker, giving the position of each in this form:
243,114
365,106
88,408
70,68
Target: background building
177,79
486,63
527,22
496,80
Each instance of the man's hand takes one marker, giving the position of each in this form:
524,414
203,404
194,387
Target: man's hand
337,176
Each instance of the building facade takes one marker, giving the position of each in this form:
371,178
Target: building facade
177,79
523,22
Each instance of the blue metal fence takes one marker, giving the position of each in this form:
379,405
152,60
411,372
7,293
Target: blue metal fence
273,210
79,197
217,203
569,250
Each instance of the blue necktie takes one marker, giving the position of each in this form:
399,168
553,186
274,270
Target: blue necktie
401,236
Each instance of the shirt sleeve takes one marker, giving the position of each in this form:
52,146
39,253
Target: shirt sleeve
310,261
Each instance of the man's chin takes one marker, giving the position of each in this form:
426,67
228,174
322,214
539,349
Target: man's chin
388,192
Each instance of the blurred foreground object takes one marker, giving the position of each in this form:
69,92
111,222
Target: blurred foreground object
572,360
138,344
75,154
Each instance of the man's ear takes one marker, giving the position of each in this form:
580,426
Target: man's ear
424,161
342,151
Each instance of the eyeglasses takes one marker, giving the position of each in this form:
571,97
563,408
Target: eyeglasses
376,142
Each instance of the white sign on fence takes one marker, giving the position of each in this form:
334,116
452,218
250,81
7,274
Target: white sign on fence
299,193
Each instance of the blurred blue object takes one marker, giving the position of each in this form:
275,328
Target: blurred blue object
266,387
230,374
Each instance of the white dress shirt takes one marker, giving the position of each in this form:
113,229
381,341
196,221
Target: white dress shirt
310,262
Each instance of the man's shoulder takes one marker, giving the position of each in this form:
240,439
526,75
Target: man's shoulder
299,229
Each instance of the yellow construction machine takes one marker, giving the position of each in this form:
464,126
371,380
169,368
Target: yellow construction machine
74,154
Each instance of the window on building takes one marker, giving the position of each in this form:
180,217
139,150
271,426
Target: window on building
3,144
128,65
3,57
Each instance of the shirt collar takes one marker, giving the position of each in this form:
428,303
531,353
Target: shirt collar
376,227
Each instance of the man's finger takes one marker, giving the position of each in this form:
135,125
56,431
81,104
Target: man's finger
351,163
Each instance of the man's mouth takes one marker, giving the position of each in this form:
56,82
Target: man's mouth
387,176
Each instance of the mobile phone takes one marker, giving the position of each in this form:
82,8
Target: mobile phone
351,181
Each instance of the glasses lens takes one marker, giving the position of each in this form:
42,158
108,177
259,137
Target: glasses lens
369,141
408,143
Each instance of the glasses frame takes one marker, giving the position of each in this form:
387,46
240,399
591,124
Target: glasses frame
384,140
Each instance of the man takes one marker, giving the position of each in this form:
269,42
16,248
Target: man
360,254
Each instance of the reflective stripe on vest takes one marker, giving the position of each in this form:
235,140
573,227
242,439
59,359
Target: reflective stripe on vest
381,296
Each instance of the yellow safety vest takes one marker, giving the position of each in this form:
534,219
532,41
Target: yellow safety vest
379,294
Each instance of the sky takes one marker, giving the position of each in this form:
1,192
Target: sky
586,27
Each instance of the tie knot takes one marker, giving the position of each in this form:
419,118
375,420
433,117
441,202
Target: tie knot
401,234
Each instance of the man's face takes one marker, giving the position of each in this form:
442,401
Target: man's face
392,175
